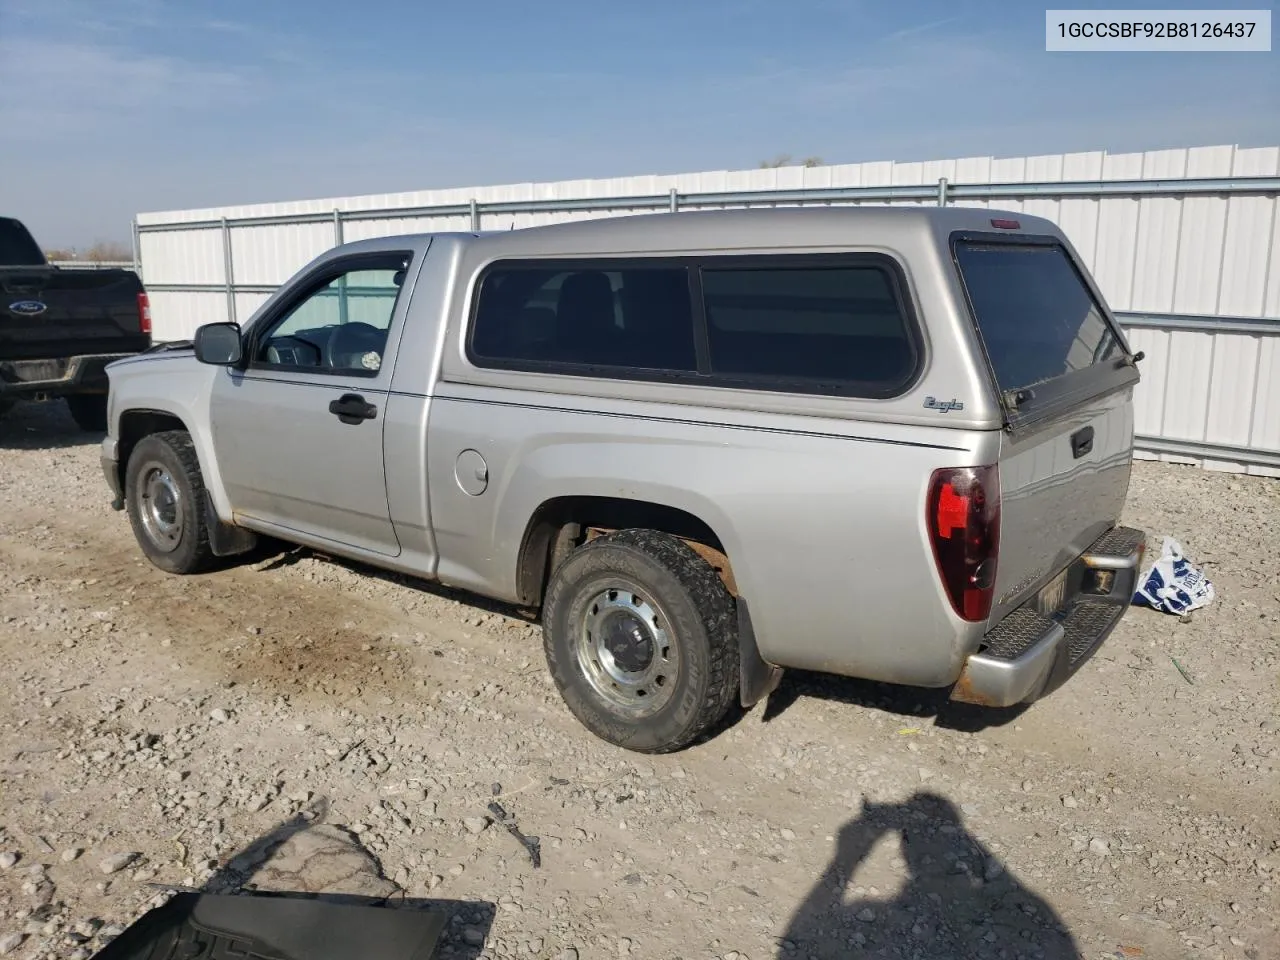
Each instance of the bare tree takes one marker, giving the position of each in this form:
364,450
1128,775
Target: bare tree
784,160
109,250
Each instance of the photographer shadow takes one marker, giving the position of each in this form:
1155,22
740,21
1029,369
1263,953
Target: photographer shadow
958,900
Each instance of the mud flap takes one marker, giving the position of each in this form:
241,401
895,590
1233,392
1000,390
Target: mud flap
226,540
277,928
758,677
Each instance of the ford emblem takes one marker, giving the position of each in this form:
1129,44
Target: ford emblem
28,308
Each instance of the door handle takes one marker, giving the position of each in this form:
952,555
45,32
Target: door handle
1081,442
352,408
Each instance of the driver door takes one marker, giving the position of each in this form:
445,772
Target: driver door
298,431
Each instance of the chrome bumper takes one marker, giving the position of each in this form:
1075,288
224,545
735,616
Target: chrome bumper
37,378
1030,653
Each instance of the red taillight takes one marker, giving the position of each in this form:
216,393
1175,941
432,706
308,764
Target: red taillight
963,518
144,313
1006,224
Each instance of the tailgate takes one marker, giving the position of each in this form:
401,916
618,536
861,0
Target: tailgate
47,313
1053,503
1066,380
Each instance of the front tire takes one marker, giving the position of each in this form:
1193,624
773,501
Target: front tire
164,496
89,411
641,639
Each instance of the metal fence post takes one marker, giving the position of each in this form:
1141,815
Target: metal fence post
942,191
228,270
673,202
342,280
475,216
137,249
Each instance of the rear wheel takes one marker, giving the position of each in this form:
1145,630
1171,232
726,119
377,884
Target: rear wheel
89,411
642,642
164,496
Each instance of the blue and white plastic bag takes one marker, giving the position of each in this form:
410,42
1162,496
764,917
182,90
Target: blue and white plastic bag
1173,583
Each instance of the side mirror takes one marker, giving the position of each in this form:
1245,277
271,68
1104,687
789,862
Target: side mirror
219,344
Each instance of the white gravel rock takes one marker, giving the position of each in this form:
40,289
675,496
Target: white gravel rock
116,862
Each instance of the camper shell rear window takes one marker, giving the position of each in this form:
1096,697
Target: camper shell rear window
1035,314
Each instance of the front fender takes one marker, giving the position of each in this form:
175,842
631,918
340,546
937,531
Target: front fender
179,386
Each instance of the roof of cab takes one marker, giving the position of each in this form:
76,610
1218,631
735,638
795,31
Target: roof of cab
774,227
713,230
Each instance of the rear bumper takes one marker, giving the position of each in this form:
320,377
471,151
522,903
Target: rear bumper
57,377
1038,646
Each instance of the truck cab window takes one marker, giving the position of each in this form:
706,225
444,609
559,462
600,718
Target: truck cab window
635,316
339,327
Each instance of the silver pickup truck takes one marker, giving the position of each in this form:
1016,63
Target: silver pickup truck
889,443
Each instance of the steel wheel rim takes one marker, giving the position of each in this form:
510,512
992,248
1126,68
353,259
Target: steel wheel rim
626,651
160,507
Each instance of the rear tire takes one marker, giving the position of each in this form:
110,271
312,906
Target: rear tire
89,411
641,638
164,497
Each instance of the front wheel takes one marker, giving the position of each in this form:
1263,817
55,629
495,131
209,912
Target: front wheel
641,638
164,495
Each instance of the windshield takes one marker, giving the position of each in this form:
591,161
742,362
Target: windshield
1037,318
17,248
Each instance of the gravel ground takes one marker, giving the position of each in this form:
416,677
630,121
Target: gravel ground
154,728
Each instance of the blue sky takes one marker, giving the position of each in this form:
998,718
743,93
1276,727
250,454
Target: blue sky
110,107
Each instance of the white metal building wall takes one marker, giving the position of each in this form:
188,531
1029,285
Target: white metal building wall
1205,384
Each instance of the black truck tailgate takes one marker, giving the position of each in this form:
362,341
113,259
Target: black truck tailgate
47,313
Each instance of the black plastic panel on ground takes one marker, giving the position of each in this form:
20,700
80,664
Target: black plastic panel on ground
209,927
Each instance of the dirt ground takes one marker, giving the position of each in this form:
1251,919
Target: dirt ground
151,727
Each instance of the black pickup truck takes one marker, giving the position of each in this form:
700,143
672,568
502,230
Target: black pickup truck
60,328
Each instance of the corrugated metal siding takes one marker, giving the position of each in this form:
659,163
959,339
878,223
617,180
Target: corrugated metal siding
195,308
1264,427
1199,255
188,257
271,255
246,304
